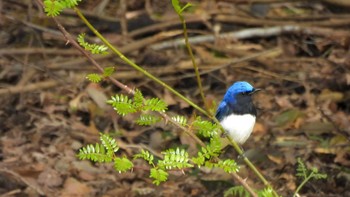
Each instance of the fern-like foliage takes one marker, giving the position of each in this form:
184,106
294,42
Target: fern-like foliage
109,143
158,175
138,100
147,119
175,159
182,120
108,71
236,191
103,152
307,174
205,128
96,153
55,7
93,48
122,164
71,3
94,77
228,165
122,104
266,192
213,149
147,156
155,104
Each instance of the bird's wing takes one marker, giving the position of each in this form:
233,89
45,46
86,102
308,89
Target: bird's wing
222,111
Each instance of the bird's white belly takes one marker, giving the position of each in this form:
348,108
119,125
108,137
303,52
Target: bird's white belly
239,127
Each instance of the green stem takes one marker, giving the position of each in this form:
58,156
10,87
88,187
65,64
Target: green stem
193,61
135,66
250,165
302,184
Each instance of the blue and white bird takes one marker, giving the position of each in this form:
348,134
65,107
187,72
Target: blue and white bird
236,112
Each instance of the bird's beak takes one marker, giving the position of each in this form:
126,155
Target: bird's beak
254,91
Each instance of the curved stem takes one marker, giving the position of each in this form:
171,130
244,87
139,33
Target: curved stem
302,184
189,49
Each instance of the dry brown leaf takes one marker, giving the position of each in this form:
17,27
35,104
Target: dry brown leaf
277,160
50,178
72,187
97,95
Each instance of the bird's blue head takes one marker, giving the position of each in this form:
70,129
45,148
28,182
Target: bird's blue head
239,87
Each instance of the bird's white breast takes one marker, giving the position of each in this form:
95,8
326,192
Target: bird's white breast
239,127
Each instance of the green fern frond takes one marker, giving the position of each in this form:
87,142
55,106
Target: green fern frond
122,104
158,175
147,119
205,128
182,120
199,160
108,71
138,100
122,164
93,77
93,48
147,156
236,191
228,165
301,169
109,143
155,104
213,149
175,159
53,8
266,192
307,174
95,153
71,3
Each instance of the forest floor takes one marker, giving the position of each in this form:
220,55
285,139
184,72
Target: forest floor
296,51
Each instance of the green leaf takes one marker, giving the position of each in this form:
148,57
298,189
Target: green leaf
122,104
108,71
71,3
93,48
205,128
236,191
147,119
266,192
93,77
176,6
138,100
213,149
155,104
180,119
53,8
175,159
95,153
185,7
147,156
228,165
158,175
122,164
109,143
301,169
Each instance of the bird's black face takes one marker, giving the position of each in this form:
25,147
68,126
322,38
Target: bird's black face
244,103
